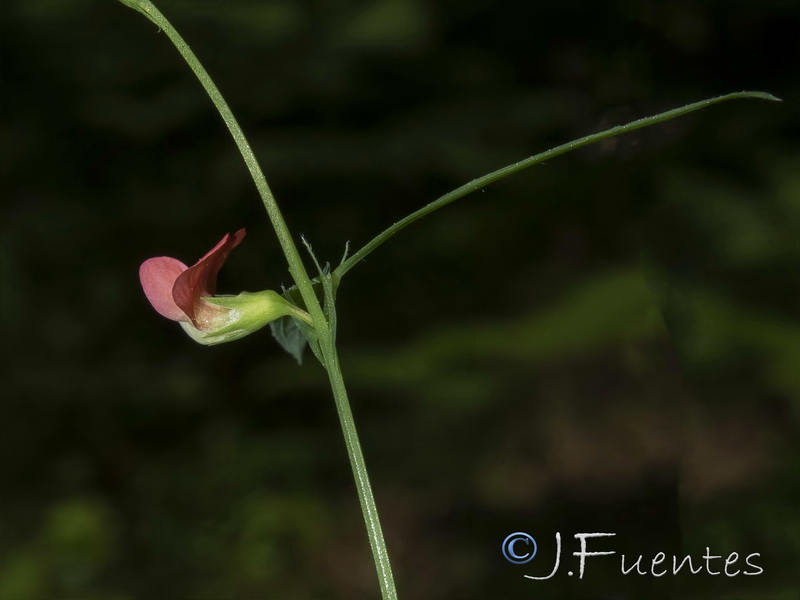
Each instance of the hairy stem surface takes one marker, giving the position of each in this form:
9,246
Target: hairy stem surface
365,495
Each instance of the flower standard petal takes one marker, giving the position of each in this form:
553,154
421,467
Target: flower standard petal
200,280
158,276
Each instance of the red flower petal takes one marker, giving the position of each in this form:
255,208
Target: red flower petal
158,276
200,280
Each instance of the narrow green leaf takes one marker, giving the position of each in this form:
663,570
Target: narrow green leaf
485,180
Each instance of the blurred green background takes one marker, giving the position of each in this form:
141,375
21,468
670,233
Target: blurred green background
607,342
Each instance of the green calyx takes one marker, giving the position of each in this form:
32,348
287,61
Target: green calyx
244,314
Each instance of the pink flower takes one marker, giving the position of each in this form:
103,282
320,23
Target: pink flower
177,291
186,294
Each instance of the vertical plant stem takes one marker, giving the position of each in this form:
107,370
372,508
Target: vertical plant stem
297,269
368,507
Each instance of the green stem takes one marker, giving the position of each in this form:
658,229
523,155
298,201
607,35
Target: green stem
368,506
323,328
296,267
481,182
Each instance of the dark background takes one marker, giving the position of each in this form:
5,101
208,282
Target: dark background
608,342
